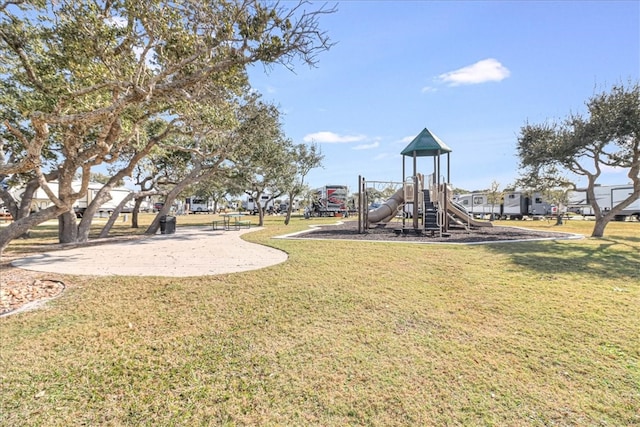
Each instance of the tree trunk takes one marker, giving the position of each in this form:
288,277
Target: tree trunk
9,203
67,229
22,208
601,224
66,198
171,197
292,196
114,215
559,219
27,198
101,197
603,220
260,215
135,212
21,226
287,217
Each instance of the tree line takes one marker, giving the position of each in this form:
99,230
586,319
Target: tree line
155,91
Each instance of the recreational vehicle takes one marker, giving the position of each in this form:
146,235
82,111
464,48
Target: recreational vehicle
197,205
41,200
514,205
266,203
607,197
478,205
330,200
107,208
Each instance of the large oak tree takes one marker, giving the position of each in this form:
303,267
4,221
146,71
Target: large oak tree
608,136
80,77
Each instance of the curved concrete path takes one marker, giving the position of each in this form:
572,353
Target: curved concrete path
191,251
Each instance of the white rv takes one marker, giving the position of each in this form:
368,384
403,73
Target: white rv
107,208
514,205
41,200
266,203
607,197
198,205
478,205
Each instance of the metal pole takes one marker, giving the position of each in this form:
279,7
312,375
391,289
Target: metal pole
415,192
365,206
438,172
404,177
359,204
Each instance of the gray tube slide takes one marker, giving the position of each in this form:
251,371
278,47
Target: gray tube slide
388,209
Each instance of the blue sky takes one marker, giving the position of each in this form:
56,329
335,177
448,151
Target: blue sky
472,72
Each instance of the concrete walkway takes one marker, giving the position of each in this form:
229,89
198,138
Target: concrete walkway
191,251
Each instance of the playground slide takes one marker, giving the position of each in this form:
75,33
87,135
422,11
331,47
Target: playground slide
457,211
388,209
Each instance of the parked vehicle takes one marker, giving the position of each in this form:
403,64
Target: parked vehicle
607,197
514,205
478,205
41,200
407,209
284,206
330,200
198,205
266,203
107,208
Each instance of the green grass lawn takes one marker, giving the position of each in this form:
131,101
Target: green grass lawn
343,333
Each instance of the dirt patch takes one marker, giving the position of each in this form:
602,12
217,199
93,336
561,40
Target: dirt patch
394,233
19,288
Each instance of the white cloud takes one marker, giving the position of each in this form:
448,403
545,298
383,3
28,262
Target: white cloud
366,146
332,138
428,89
406,139
487,70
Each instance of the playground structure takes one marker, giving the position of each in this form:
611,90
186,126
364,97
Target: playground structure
428,204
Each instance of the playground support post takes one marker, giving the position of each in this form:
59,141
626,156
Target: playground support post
415,192
360,201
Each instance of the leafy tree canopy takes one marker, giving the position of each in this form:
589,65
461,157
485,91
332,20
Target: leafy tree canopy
607,136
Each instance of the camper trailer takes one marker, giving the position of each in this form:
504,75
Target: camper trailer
514,205
107,208
41,200
266,202
197,205
478,205
607,197
284,206
330,200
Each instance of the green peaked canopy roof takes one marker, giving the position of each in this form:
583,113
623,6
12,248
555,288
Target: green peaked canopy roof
426,144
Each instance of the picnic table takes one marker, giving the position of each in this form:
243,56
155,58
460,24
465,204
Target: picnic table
231,220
